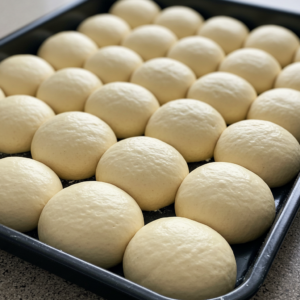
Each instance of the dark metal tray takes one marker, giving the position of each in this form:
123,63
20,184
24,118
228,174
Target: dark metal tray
253,259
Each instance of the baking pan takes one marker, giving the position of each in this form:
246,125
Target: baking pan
253,259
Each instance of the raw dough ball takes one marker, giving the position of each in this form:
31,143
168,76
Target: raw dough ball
2,95
183,21
227,32
256,66
72,143
220,196
182,259
22,74
136,12
67,49
229,94
93,221
125,107
262,147
166,78
20,118
68,89
280,106
150,41
25,187
113,63
289,77
190,126
104,29
297,55
149,170
278,41
201,54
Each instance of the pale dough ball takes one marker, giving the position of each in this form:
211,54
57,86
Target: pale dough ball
227,32
135,12
190,126
278,41
183,21
262,147
256,66
220,196
297,55
229,94
2,95
72,143
166,78
25,187
125,107
68,89
150,41
22,74
93,221
113,63
67,49
182,259
289,77
20,118
202,55
280,106
104,29
149,170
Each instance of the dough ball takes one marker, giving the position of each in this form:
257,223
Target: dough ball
182,259
229,199
67,49
297,55
136,12
149,170
150,41
2,95
125,107
278,41
182,20
93,221
190,126
68,89
20,118
229,94
25,187
166,78
104,29
22,74
262,147
113,63
256,66
227,32
72,143
202,55
289,77
280,106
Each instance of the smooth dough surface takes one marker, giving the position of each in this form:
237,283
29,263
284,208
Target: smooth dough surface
278,41
262,147
104,29
182,259
124,106
113,63
22,74
93,221
166,78
229,94
297,55
289,77
228,198
150,41
280,106
149,170
227,32
256,66
182,20
72,143
67,49
2,95
20,118
25,187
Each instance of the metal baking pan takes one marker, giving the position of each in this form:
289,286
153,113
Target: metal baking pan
253,259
